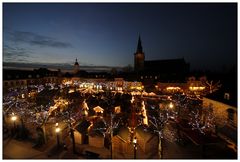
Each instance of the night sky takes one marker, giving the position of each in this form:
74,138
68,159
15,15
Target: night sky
106,34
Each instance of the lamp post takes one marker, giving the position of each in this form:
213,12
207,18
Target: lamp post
111,136
14,118
72,135
135,147
171,105
57,133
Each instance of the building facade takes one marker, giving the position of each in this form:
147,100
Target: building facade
162,70
76,68
139,57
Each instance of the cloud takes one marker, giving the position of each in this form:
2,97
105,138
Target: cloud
62,66
36,39
16,54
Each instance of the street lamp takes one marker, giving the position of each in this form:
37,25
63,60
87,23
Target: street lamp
111,135
57,132
135,147
72,134
171,105
14,118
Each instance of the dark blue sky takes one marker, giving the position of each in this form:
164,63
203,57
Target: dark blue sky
106,34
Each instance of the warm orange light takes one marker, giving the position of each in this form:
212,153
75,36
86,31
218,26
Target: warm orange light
173,88
135,140
14,118
196,88
57,130
171,105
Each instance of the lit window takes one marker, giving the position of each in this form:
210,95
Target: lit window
226,96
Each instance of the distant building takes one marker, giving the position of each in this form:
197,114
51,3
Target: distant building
19,78
76,67
164,70
139,57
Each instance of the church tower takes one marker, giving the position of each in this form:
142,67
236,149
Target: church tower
139,57
76,67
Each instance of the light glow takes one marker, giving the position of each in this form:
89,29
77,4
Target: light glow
14,118
171,105
173,88
58,130
196,88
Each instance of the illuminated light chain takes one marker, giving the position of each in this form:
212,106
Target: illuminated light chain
203,123
109,127
158,122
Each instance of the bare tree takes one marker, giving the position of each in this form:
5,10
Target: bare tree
211,86
108,129
158,122
203,121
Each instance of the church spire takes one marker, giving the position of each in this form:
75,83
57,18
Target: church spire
139,56
76,63
139,47
76,67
